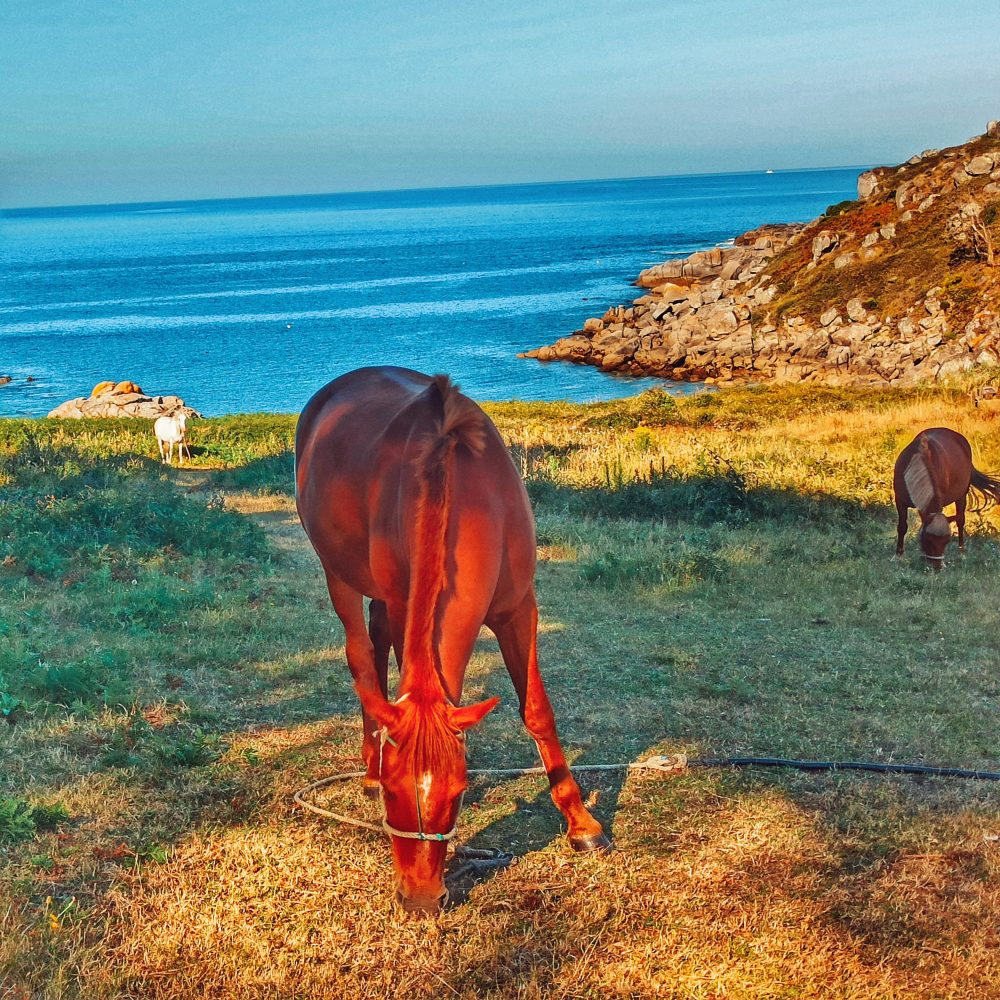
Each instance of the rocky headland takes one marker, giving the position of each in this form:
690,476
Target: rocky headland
121,399
900,286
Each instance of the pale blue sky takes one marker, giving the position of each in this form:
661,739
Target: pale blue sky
127,100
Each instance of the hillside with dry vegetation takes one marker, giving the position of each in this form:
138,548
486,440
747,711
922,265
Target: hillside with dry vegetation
899,286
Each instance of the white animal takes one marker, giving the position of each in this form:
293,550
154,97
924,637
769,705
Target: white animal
172,431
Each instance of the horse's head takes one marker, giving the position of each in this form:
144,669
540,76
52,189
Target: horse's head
423,778
935,534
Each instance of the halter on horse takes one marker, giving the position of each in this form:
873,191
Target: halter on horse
409,496
932,471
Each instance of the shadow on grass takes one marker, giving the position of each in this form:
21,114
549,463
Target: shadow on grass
274,474
713,496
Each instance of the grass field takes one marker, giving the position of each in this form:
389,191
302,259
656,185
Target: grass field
715,578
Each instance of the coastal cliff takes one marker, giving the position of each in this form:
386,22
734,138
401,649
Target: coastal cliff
900,286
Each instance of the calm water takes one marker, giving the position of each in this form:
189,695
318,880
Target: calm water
251,305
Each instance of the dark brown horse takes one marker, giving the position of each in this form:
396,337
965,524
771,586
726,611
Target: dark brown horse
409,496
932,471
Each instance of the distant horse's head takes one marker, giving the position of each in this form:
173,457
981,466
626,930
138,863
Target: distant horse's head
423,778
935,534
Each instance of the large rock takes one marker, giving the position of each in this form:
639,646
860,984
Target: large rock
856,310
867,184
979,165
72,409
110,403
824,243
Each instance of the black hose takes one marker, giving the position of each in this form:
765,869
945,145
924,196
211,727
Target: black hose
844,765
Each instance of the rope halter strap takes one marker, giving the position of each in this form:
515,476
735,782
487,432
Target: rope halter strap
420,833
417,834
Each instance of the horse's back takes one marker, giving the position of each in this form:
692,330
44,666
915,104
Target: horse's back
358,485
947,456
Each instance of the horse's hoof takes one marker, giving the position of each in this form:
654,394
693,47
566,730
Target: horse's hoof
593,843
371,791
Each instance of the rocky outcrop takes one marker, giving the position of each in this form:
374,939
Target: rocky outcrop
121,399
872,292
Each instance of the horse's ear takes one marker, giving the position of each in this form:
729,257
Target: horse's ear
919,483
376,706
466,716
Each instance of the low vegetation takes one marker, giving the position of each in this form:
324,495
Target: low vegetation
715,578
927,253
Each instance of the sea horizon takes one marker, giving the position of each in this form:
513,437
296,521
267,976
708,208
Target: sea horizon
16,211
251,304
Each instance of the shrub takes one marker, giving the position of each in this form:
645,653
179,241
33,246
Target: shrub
20,820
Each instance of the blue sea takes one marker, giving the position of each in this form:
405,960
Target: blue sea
251,305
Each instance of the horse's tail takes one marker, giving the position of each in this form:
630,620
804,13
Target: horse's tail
459,422
988,488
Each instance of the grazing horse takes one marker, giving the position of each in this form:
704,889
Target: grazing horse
409,496
172,431
932,471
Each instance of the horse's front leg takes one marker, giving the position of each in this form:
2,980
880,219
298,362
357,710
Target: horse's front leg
378,632
901,512
360,651
518,643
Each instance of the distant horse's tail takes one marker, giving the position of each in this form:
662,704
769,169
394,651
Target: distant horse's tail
987,487
459,422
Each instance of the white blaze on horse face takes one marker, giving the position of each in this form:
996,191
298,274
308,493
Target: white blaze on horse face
425,784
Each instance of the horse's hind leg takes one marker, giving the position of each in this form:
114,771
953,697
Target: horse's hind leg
960,520
517,636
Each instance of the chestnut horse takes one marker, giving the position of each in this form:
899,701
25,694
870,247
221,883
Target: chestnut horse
409,496
932,471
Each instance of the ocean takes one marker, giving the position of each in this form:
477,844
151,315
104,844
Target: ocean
251,305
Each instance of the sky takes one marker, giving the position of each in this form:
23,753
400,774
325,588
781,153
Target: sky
145,100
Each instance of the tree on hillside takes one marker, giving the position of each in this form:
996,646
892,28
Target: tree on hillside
972,227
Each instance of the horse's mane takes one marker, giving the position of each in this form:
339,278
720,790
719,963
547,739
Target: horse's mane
938,524
423,733
457,422
919,479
